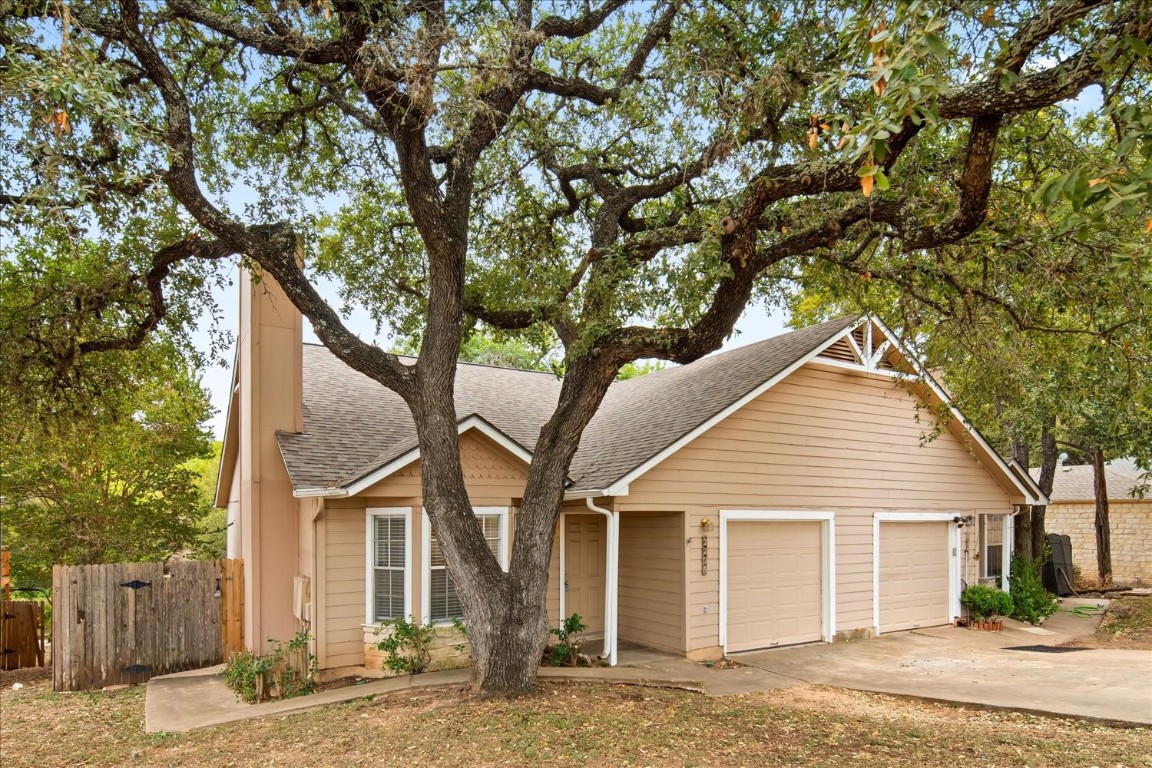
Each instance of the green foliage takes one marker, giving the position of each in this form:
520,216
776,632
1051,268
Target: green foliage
282,677
566,652
640,368
525,352
408,645
107,481
1030,601
458,625
212,541
985,602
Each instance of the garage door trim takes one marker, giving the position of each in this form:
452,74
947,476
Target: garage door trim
953,555
827,522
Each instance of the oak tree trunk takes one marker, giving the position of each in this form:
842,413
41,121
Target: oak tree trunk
1022,521
1048,460
505,613
1103,533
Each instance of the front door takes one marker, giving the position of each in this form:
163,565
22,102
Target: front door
584,569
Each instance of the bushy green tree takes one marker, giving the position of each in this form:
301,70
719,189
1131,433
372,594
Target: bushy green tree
212,539
109,483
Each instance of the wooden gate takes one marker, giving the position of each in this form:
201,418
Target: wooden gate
123,623
22,634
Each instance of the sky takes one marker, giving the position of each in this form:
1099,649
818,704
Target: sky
757,324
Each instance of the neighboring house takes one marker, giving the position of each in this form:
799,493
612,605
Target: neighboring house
782,492
1073,512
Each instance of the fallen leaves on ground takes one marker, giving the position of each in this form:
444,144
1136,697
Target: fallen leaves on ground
564,724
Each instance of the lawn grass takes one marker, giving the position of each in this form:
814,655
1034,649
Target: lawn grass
564,724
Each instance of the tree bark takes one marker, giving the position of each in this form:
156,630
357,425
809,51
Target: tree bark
1022,522
1103,533
1048,458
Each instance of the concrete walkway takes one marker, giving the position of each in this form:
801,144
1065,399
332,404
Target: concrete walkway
188,700
942,663
973,667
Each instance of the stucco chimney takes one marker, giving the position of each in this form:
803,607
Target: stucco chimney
271,399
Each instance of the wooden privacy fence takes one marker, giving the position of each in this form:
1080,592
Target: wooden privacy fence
123,623
22,634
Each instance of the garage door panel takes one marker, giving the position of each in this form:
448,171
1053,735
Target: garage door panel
774,583
913,575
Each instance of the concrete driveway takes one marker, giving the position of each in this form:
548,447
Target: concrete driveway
970,666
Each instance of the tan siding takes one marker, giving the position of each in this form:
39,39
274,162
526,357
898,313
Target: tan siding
651,579
554,580
494,477
821,440
343,586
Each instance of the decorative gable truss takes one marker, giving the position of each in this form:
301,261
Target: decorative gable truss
863,347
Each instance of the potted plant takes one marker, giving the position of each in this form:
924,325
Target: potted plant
986,605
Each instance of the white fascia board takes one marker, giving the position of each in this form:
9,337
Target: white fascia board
1022,474
620,489
940,393
613,490
225,476
319,493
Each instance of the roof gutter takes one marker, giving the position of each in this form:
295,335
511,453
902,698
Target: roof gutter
611,579
320,493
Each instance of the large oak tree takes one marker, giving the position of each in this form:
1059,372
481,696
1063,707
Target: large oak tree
621,175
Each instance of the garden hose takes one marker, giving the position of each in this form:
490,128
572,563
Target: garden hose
1085,611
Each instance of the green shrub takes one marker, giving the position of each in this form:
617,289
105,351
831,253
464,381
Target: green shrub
985,602
1031,602
408,645
286,672
566,652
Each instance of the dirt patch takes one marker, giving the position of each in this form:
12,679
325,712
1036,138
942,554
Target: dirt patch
1127,625
566,724
25,676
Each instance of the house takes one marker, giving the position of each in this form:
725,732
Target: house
783,492
1072,512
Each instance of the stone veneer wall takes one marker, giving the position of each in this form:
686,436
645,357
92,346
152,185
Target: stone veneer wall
449,650
1130,523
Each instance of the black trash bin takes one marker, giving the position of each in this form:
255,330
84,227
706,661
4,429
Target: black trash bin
1057,573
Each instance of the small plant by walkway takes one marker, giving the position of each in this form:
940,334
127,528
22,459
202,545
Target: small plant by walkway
285,672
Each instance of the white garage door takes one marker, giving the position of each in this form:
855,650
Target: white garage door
913,575
773,584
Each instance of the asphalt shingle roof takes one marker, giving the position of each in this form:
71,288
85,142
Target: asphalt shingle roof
1075,482
353,425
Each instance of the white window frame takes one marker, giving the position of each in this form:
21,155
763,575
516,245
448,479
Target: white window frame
1009,537
986,524
953,556
827,520
504,515
370,515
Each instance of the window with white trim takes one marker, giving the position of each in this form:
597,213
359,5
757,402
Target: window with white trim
389,562
442,602
992,545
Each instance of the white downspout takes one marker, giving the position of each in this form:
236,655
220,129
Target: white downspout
611,579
